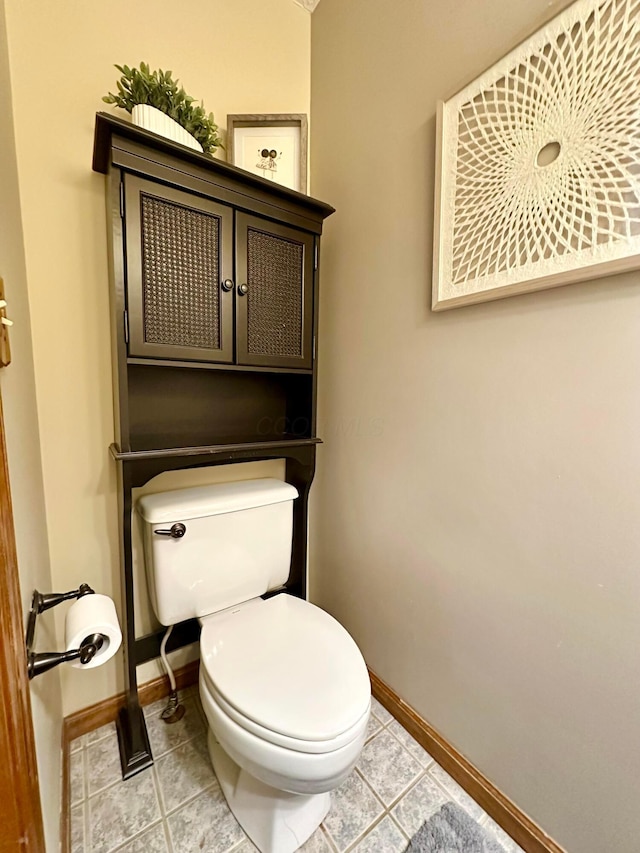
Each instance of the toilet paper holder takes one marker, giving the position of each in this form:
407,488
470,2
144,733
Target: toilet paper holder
39,662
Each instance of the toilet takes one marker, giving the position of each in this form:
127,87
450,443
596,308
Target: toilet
283,685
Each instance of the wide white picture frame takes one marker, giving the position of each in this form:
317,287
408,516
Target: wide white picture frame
538,162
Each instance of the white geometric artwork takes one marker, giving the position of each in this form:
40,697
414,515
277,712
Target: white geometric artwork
538,174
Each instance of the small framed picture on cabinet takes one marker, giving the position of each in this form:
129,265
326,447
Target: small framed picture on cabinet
271,146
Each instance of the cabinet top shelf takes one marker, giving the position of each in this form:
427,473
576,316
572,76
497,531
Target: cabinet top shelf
209,450
108,126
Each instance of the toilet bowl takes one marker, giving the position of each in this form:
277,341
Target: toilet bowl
287,698
284,687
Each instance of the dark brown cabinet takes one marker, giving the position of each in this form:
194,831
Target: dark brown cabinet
207,282
213,290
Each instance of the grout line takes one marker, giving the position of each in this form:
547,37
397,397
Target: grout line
369,786
82,806
179,746
454,796
391,717
84,767
328,839
158,789
111,731
392,730
421,771
404,749
91,795
367,831
135,837
396,823
406,793
95,743
194,797
158,755
406,790
163,808
87,827
167,834
444,790
424,770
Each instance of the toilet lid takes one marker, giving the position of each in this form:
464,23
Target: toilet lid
288,666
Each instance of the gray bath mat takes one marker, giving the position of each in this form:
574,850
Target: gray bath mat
451,830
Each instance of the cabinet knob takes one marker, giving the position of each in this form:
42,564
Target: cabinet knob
243,289
227,285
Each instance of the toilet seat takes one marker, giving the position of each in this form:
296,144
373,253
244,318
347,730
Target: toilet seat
287,672
295,744
278,766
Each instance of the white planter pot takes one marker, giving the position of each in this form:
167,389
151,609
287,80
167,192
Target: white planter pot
156,121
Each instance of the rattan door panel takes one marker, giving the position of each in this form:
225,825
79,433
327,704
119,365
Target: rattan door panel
179,251
274,317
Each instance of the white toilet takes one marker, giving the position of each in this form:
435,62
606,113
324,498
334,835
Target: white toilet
284,687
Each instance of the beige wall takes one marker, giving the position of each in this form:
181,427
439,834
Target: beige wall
17,387
477,503
248,56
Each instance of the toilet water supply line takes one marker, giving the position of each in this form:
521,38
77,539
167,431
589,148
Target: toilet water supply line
174,710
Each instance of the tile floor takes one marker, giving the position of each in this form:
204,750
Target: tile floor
177,806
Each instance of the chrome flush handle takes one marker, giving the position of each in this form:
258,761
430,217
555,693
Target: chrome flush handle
177,531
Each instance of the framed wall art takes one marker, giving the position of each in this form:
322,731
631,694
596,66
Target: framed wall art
538,162
271,146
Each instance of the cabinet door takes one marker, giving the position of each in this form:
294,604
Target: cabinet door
179,251
274,302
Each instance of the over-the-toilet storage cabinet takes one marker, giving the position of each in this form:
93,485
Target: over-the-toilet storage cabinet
214,288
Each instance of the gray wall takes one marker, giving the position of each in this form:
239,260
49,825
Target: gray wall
476,510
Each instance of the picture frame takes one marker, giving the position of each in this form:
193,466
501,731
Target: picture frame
272,146
538,162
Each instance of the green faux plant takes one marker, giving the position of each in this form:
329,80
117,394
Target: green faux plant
158,89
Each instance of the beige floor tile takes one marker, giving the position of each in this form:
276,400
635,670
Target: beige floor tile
353,809
205,823
380,711
501,836
318,843
388,767
184,773
103,763
410,744
457,793
77,777
77,829
164,737
121,812
151,841
385,836
419,804
102,732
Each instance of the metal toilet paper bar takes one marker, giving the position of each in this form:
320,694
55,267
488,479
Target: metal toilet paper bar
39,662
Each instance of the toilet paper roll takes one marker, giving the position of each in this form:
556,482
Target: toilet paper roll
93,614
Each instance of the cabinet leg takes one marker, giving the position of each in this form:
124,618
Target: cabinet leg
133,740
299,472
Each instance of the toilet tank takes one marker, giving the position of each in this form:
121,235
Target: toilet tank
236,545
